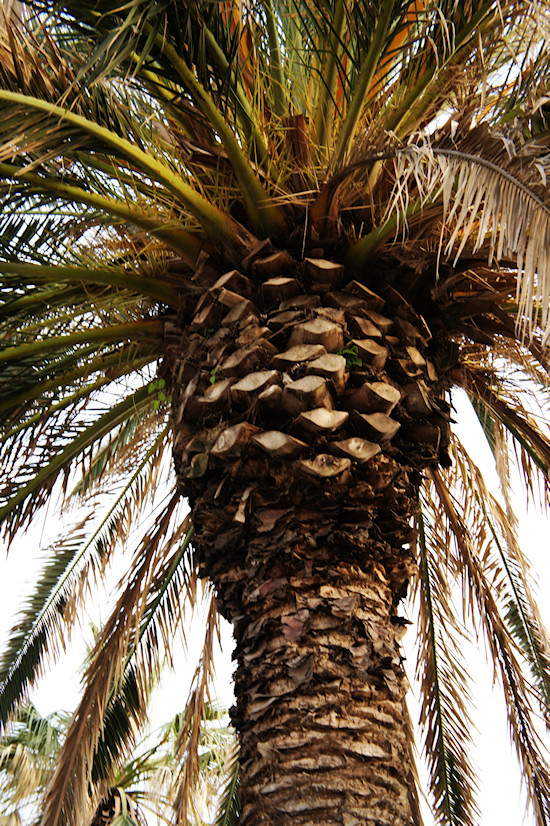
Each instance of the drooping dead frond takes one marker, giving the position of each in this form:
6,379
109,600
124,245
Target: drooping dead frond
142,443
445,697
172,590
483,207
187,751
498,597
68,792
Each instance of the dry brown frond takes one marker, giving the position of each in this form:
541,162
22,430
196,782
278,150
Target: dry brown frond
482,202
496,595
67,795
187,749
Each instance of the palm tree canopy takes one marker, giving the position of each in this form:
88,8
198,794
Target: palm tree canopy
144,148
144,782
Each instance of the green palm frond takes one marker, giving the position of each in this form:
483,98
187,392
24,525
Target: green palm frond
72,561
136,452
55,192
229,806
59,350
120,138
37,229
146,149
444,718
30,488
24,275
493,401
508,389
27,754
40,626
522,615
144,780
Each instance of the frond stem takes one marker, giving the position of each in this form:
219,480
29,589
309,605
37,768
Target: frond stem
276,63
244,110
217,225
90,366
155,287
366,75
120,332
409,109
325,105
498,170
262,212
177,239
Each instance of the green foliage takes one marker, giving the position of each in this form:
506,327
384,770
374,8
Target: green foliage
157,387
351,354
146,781
144,146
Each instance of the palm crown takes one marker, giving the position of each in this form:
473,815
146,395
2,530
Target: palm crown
191,193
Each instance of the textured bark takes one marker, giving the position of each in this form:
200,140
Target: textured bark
320,697
303,470
310,573
320,708
319,684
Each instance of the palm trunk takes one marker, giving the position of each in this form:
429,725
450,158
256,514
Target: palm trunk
110,809
303,470
320,702
319,685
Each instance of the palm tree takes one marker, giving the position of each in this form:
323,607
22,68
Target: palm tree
271,238
27,754
145,782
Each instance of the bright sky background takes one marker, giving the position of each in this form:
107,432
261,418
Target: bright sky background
499,777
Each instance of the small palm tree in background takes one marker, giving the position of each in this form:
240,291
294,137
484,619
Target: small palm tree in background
143,786
27,754
269,239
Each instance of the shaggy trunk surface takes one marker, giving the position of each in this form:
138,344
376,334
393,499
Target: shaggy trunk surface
320,702
305,411
319,683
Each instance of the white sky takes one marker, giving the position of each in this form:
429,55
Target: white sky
499,797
